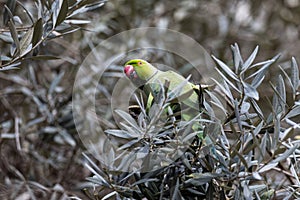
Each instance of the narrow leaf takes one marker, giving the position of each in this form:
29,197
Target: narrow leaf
237,58
227,70
257,109
25,42
228,81
295,74
14,34
225,89
8,11
62,13
294,112
44,57
250,91
55,82
250,60
237,114
37,32
127,118
281,92
268,167
119,134
286,154
11,66
216,101
77,21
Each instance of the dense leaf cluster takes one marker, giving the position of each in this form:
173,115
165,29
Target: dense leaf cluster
251,115
248,146
54,19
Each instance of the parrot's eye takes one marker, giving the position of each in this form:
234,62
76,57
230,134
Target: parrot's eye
140,63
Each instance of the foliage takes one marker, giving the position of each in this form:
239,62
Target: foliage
54,19
39,147
40,154
250,148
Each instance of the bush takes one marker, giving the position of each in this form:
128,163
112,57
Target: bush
252,152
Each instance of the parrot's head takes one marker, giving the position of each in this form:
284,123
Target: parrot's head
138,68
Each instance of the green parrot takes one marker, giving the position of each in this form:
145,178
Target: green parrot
179,89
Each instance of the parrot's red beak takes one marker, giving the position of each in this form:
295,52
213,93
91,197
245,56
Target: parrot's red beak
130,72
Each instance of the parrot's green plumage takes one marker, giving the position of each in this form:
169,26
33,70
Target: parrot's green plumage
186,94
179,88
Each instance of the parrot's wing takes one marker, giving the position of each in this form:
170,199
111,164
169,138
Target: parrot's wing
178,88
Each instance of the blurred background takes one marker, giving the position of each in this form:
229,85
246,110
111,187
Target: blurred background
40,150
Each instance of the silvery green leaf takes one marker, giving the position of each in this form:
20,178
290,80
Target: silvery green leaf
5,58
237,58
59,12
17,19
37,32
256,176
258,128
268,167
296,176
250,60
77,21
257,109
98,179
96,5
237,114
62,13
94,165
216,102
209,109
263,146
294,112
127,117
119,133
67,138
50,129
288,133
260,74
131,130
25,42
14,34
226,69
257,188
78,11
228,81
267,62
10,67
65,32
275,136
246,192
250,91
281,89
129,144
295,74
286,154
126,161
110,195
275,101
6,37
55,82
245,107
176,191
225,89
279,96
44,57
